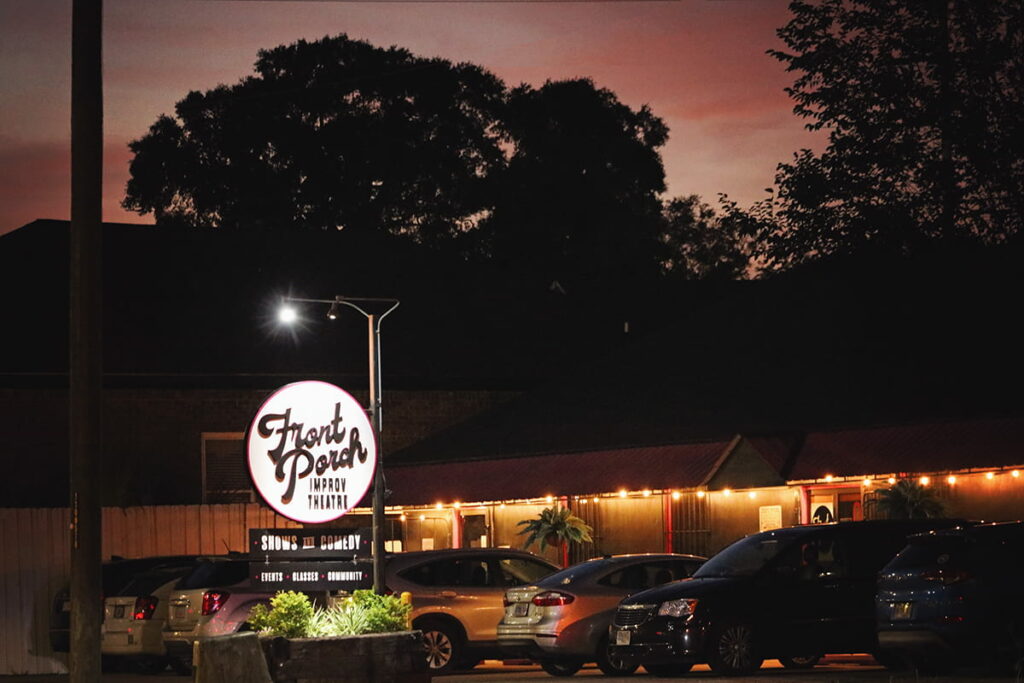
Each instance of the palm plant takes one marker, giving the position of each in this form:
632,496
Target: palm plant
908,499
554,526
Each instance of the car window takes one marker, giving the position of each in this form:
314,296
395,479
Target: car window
148,582
522,571
812,559
931,552
470,572
645,575
215,574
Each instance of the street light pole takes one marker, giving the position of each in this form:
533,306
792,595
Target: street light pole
373,321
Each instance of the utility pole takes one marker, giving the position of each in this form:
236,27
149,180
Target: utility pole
85,336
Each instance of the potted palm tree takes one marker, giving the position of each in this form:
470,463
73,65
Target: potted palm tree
555,526
908,499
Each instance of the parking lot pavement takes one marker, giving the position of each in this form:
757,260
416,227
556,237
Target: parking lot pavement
853,669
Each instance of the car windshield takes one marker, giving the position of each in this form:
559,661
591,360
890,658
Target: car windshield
745,557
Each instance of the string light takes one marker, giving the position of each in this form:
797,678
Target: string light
726,492
752,494
647,492
439,506
700,494
828,478
676,495
622,493
456,505
951,479
423,517
990,475
1015,473
867,482
594,500
925,481
402,516
892,480
501,507
550,499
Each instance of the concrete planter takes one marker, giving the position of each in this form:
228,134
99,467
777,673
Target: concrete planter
373,658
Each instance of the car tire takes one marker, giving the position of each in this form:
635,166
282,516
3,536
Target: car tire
443,644
560,668
892,661
732,650
608,663
668,670
805,662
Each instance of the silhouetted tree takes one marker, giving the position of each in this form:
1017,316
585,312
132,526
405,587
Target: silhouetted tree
329,134
924,105
703,243
579,197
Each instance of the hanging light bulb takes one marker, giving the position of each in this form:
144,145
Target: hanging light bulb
332,312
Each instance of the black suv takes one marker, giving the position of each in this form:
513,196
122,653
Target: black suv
794,594
955,597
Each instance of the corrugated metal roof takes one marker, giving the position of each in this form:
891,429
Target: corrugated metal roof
919,448
682,466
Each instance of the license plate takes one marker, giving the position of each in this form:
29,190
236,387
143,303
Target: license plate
119,611
179,612
902,610
622,637
520,609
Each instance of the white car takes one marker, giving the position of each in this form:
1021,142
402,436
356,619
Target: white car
214,600
134,619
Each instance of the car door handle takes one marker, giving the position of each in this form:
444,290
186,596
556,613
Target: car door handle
448,594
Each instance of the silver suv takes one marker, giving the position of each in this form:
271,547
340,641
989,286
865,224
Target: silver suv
457,598
562,620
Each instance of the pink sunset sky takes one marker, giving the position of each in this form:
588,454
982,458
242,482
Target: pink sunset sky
699,64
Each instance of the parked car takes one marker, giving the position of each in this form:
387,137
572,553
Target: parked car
214,599
458,596
793,594
562,620
134,619
115,574
953,597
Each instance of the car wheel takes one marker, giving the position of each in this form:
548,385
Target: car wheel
608,663
443,645
561,668
807,662
733,650
667,670
892,661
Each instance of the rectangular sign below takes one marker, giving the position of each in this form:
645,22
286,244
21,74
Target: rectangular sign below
316,542
312,576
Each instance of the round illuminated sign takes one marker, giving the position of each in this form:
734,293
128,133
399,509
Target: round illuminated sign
311,452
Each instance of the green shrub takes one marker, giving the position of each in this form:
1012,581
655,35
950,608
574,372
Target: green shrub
289,616
292,616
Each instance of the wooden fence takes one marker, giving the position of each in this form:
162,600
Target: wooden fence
35,560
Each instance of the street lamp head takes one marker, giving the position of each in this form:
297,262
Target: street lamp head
287,314
332,313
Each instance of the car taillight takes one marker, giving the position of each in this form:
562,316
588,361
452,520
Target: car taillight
213,601
144,607
945,576
552,599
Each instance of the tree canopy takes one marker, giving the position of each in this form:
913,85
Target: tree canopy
332,134
924,108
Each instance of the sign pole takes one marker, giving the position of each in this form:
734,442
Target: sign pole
373,331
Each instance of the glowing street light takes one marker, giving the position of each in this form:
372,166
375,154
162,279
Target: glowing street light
287,314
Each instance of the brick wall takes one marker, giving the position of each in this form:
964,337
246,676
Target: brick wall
151,453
